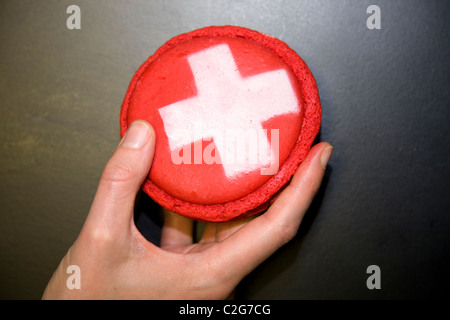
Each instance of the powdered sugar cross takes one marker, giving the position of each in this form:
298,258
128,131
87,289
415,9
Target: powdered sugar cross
227,102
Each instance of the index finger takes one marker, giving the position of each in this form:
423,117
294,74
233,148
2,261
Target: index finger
244,250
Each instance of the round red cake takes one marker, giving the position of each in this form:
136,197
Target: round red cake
235,112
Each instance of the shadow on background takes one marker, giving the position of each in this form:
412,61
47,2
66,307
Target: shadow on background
148,217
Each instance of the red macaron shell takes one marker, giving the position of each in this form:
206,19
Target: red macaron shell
172,80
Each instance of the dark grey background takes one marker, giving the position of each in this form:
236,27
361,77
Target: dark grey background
385,98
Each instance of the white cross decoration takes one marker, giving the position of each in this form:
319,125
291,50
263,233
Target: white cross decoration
228,103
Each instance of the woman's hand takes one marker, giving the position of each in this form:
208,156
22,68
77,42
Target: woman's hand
116,262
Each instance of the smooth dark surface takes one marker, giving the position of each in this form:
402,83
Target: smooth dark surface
386,110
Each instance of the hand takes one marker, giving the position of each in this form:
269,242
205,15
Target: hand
117,262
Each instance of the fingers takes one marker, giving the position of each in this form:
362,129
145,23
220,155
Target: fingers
248,247
226,229
209,233
122,177
216,232
177,230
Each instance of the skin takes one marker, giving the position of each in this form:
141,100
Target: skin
117,262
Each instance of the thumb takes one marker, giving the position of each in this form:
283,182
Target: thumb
122,177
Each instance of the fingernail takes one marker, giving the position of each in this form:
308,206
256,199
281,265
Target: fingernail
136,136
325,156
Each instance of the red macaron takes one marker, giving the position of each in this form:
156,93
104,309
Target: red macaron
235,112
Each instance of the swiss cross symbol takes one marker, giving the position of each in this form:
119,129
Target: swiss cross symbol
230,109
